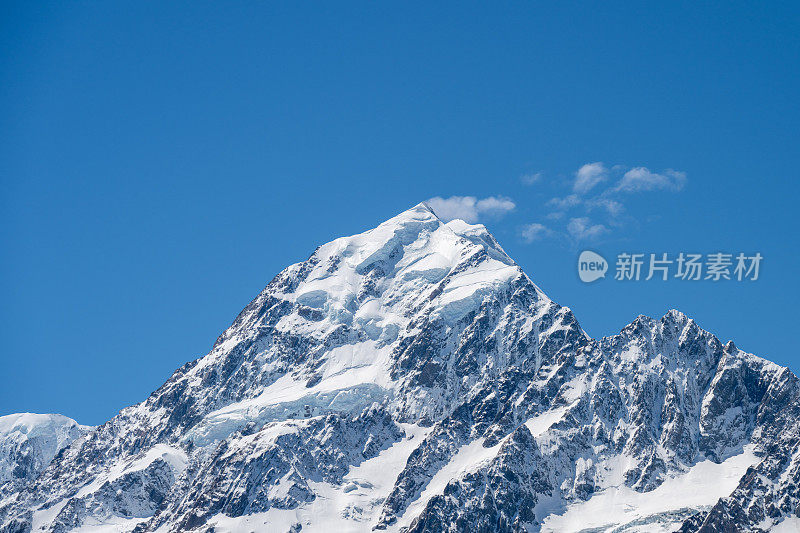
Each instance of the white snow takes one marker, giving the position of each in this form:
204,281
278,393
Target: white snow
541,423
31,423
112,525
418,250
789,525
43,517
469,458
350,387
700,487
353,506
174,457
46,433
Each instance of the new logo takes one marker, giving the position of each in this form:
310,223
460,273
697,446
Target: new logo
591,266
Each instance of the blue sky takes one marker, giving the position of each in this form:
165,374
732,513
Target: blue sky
161,163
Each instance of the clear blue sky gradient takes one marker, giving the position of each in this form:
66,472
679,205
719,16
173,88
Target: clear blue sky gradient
160,163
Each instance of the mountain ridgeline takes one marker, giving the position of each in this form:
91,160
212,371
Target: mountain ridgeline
413,378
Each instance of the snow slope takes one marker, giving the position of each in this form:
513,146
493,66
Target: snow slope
619,508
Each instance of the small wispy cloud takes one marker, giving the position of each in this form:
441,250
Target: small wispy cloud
594,201
582,229
534,232
597,199
612,207
530,179
564,203
641,179
588,176
469,208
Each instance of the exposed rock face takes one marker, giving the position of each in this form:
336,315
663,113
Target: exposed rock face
413,377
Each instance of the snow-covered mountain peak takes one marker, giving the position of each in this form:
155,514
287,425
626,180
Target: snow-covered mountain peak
674,340
361,305
412,376
412,260
413,241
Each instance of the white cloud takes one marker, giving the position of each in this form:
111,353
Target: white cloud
530,179
588,176
495,205
557,215
469,208
582,229
534,232
641,179
564,203
613,207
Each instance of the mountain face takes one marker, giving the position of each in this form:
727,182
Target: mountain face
413,378
28,442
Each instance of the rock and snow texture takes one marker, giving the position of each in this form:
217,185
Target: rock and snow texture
28,442
413,378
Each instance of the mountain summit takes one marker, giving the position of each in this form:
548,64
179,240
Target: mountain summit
413,378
